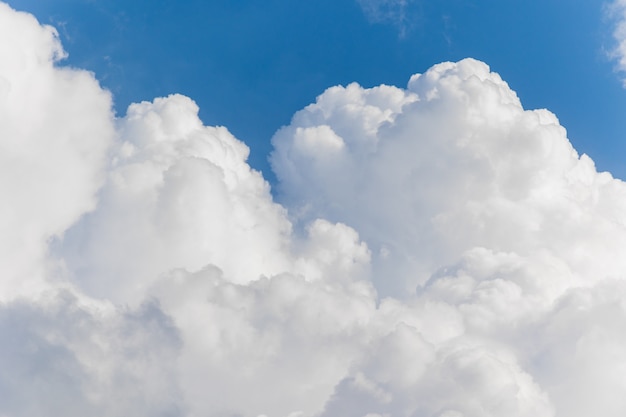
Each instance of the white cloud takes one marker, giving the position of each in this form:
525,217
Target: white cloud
440,251
56,126
452,163
617,10
78,358
178,195
488,211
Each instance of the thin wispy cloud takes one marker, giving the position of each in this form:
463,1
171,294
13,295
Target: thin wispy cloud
396,12
617,13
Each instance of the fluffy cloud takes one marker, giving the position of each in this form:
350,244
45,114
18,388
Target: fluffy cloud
56,126
178,195
451,163
472,204
65,355
437,251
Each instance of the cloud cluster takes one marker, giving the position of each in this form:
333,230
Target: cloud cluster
438,251
449,164
483,209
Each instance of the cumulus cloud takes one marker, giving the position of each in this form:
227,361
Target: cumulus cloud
56,125
178,195
435,250
451,163
617,10
64,355
471,204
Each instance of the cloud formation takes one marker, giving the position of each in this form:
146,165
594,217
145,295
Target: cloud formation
436,250
472,204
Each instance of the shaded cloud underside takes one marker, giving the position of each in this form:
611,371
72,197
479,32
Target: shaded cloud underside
437,251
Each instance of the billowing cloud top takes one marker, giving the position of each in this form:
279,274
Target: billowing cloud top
438,251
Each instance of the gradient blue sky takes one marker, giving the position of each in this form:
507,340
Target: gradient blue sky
250,64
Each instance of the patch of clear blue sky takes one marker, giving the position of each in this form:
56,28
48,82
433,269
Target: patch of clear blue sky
251,64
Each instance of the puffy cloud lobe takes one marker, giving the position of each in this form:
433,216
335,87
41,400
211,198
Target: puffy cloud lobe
274,346
179,195
455,163
440,251
55,125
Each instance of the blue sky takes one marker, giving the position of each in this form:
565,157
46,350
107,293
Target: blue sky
250,65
